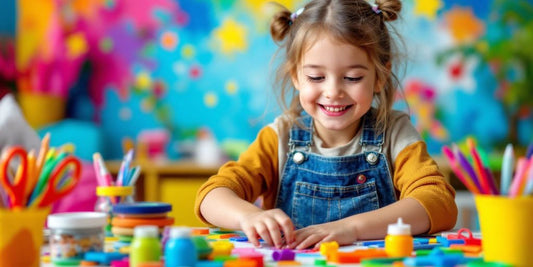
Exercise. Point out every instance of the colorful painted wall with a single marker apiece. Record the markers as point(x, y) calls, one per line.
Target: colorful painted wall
point(128, 66)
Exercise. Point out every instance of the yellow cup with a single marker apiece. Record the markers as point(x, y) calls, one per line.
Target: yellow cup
point(41, 109)
point(21, 236)
point(506, 229)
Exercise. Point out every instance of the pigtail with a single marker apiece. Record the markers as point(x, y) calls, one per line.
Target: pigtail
point(280, 24)
point(390, 9)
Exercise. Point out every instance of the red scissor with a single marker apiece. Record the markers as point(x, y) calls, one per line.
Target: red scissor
point(16, 189)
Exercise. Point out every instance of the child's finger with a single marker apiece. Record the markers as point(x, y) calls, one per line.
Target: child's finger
point(264, 232)
point(308, 242)
point(252, 236)
point(275, 233)
point(288, 228)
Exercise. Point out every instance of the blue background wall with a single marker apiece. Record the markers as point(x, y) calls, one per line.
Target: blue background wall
point(198, 63)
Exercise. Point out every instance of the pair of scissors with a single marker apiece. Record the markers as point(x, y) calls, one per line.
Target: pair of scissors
point(16, 189)
point(55, 188)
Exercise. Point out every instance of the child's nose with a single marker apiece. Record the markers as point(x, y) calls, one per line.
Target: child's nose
point(334, 89)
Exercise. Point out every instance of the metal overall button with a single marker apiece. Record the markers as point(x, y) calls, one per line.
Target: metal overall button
point(372, 158)
point(298, 157)
point(361, 179)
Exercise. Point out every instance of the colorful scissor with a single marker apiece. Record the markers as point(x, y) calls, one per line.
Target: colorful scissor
point(51, 193)
point(16, 189)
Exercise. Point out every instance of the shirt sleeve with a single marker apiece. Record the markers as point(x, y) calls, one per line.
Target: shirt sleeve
point(255, 173)
point(417, 176)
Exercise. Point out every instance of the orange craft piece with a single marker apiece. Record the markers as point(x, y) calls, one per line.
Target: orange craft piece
point(132, 222)
point(357, 255)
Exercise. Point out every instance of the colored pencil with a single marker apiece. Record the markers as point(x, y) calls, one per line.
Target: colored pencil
point(467, 167)
point(507, 169)
point(461, 175)
point(518, 181)
point(479, 168)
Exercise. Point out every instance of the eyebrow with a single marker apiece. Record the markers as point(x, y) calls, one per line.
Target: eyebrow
point(356, 66)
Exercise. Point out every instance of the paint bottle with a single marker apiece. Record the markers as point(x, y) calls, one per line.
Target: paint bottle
point(399, 242)
point(180, 249)
point(145, 246)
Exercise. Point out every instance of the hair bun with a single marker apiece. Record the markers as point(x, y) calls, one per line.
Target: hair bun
point(390, 9)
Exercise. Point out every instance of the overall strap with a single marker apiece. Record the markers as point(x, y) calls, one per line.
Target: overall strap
point(301, 134)
point(369, 136)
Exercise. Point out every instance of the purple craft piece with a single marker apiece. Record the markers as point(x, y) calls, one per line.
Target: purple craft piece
point(283, 255)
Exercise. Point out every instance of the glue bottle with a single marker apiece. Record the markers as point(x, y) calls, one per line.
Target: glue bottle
point(180, 249)
point(145, 246)
point(399, 242)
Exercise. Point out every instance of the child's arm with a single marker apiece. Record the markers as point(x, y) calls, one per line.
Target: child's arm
point(368, 225)
point(222, 207)
point(426, 202)
point(225, 200)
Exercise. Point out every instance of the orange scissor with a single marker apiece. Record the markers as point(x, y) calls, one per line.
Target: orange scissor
point(51, 193)
point(16, 189)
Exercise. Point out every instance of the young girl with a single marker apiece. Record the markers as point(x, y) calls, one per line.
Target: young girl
point(333, 167)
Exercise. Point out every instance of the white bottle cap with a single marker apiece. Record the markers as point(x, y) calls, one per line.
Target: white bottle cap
point(177, 232)
point(77, 220)
point(399, 228)
point(146, 231)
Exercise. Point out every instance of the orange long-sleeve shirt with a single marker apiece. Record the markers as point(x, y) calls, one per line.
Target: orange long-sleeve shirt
point(415, 174)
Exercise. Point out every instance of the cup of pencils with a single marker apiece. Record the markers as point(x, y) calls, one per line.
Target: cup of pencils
point(506, 229)
point(505, 212)
point(111, 192)
point(29, 184)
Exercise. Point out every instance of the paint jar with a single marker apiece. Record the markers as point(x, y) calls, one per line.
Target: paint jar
point(73, 234)
point(180, 250)
point(399, 242)
point(145, 246)
point(109, 196)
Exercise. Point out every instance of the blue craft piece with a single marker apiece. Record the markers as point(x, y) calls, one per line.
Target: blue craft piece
point(378, 243)
point(426, 246)
point(436, 258)
point(239, 239)
point(119, 244)
point(421, 241)
point(104, 257)
point(447, 242)
point(142, 208)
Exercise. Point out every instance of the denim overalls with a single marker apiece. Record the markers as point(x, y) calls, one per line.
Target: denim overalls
point(316, 189)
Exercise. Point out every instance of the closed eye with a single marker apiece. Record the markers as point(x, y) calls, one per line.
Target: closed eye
point(315, 78)
point(353, 79)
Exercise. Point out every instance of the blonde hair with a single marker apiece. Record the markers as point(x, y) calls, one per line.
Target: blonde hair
point(353, 22)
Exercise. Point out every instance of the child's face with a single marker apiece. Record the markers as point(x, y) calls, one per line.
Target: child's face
point(336, 82)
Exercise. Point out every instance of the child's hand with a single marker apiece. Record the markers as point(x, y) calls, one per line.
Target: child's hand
point(314, 235)
point(269, 225)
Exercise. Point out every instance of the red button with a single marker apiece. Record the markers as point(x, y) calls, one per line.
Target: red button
point(361, 179)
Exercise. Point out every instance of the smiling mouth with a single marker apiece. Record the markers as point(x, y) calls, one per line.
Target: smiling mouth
point(335, 109)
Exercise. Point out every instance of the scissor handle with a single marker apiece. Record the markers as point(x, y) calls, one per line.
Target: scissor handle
point(466, 231)
point(51, 194)
point(16, 189)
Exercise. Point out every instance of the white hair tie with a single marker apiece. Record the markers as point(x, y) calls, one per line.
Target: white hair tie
point(296, 14)
point(376, 9)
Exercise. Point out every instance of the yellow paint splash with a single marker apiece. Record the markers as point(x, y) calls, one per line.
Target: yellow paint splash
point(231, 37)
point(210, 99)
point(427, 8)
